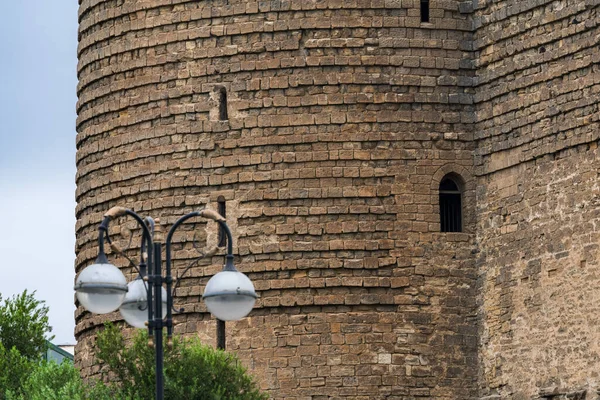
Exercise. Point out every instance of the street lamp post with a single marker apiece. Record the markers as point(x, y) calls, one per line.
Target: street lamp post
point(102, 288)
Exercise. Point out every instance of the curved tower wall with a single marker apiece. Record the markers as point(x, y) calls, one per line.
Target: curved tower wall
point(537, 161)
point(342, 119)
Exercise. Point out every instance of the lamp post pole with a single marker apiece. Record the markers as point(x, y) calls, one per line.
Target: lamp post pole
point(156, 280)
point(101, 288)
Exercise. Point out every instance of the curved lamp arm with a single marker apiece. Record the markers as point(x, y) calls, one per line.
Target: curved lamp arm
point(114, 213)
point(147, 230)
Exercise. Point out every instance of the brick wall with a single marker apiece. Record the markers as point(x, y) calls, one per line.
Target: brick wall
point(537, 96)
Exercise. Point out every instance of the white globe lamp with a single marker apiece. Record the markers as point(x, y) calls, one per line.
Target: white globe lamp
point(229, 295)
point(134, 308)
point(101, 288)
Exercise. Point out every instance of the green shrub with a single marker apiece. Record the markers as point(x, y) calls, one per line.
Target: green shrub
point(193, 371)
point(51, 381)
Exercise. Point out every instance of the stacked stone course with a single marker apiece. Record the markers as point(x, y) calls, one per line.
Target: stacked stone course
point(343, 118)
point(537, 162)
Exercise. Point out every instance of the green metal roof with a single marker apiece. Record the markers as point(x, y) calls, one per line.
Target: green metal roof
point(55, 353)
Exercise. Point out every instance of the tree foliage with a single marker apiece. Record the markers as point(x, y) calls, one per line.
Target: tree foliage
point(14, 368)
point(24, 325)
point(193, 371)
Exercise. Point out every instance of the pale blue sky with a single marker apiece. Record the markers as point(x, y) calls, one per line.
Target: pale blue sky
point(38, 44)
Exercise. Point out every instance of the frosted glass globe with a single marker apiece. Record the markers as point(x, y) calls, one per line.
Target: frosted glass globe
point(101, 288)
point(135, 305)
point(229, 295)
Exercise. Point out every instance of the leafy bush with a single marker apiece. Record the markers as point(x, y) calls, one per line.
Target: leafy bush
point(192, 370)
point(51, 381)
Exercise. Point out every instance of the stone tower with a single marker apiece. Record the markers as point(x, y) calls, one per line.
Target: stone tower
point(325, 128)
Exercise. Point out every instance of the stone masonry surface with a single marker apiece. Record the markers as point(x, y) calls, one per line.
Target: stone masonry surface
point(343, 118)
point(537, 162)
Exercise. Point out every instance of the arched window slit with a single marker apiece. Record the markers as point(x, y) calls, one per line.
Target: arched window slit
point(450, 206)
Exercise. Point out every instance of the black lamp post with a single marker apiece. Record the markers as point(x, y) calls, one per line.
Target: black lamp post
point(102, 288)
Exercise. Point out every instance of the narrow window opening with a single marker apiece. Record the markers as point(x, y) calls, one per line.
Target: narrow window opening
point(424, 10)
point(222, 209)
point(450, 206)
point(223, 104)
